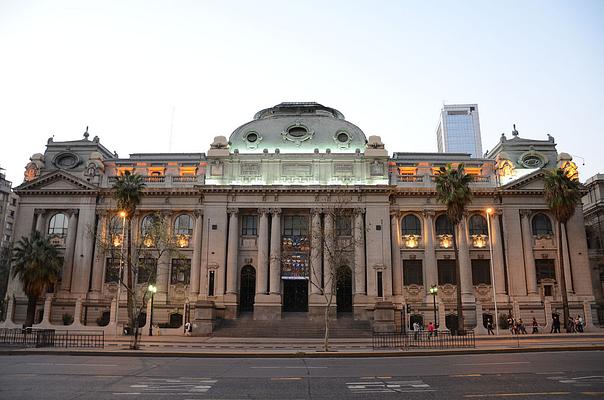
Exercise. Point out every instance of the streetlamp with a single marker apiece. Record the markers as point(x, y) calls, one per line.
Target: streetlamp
point(434, 292)
point(495, 322)
point(153, 290)
point(119, 282)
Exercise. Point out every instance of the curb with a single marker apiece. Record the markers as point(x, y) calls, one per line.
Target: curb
point(301, 354)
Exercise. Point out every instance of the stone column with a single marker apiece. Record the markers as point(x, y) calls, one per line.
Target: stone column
point(464, 259)
point(163, 276)
point(263, 254)
point(566, 258)
point(232, 250)
point(98, 265)
point(430, 269)
point(397, 267)
point(275, 257)
point(529, 259)
point(328, 252)
point(69, 249)
point(84, 246)
point(359, 253)
point(40, 221)
point(196, 261)
point(496, 242)
point(316, 268)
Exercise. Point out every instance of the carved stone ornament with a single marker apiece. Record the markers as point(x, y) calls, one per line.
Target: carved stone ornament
point(297, 133)
point(32, 169)
point(377, 168)
point(483, 292)
point(414, 292)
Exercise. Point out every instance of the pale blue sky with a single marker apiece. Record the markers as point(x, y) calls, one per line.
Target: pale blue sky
point(121, 67)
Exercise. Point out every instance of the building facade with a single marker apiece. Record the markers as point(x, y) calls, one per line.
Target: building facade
point(257, 218)
point(593, 210)
point(458, 130)
point(8, 212)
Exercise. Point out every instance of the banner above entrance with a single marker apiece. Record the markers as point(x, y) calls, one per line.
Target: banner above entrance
point(294, 264)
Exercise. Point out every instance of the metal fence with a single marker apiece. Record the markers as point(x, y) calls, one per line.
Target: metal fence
point(52, 338)
point(422, 340)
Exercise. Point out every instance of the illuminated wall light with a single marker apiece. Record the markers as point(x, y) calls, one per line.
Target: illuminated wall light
point(479, 241)
point(117, 241)
point(411, 241)
point(148, 242)
point(183, 241)
point(446, 241)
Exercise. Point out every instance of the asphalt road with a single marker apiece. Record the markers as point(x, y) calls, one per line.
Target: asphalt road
point(555, 375)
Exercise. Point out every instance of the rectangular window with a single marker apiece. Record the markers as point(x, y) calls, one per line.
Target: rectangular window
point(181, 271)
point(545, 269)
point(249, 225)
point(380, 285)
point(295, 225)
point(147, 268)
point(412, 272)
point(446, 272)
point(343, 225)
point(112, 270)
point(211, 284)
point(481, 272)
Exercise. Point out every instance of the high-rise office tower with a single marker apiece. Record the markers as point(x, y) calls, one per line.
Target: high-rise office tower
point(458, 130)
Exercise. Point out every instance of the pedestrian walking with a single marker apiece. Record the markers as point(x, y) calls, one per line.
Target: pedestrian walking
point(415, 331)
point(188, 329)
point(430, 330)
point(580, 324)
point(490, 327)
point(535, 326)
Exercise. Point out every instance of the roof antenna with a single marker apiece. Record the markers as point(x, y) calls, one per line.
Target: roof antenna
point(582, 159)
point(171, 130)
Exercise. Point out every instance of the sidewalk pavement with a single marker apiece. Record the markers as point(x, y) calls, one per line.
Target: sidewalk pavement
point(186, 346)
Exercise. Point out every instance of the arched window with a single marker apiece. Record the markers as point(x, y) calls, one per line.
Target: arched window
point(478, 225)
point(183, 225)
point(542, 225)
point(443, 226)
point(411, 225)
point(116, 230)
point(147, 224)
point(58, 225)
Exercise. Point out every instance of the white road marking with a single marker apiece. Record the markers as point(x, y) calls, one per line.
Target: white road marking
point(301, 367)
point(498, 363)
point(76, 365)
point(388, 386)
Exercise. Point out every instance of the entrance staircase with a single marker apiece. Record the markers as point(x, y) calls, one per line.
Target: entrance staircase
point(292, 325)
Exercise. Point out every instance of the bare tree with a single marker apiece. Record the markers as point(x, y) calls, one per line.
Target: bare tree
point(154, 245)
point(336, 240)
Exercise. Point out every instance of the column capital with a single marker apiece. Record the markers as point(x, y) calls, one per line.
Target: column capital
point(263, 211)
point(40, 211)
point(73, 211)
point(316, 211)
point(197, 213)
point(526, 213)
point(428, 213)
point(359, 211)
point(395, 213)
point(275, 211)
point(233, 211)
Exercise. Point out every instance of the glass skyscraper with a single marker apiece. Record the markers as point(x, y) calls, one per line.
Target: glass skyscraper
point(458, 130)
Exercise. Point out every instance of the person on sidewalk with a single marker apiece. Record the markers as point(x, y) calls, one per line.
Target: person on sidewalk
point(580, 324)
point(490, 327)
point(555, 323)
point(188, 329)
point(521, 327)
point(535, 326)
point(430, 330)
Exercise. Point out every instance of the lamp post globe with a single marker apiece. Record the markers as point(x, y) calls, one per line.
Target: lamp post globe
point(152, 289)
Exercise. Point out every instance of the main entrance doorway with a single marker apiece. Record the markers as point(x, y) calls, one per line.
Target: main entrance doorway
point(344, 290)
point(295, 295)
point(247, 290)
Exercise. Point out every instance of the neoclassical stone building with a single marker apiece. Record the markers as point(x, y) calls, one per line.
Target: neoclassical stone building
point(249, 215)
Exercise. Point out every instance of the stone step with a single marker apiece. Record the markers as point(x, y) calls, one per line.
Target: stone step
point(292, 326)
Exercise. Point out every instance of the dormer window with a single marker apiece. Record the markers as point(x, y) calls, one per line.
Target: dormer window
point(297, 133)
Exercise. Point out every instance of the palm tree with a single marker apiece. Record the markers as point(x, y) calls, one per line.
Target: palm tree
point(128, 191)
point(37, 264)
point(453, 190)
point(562, 195)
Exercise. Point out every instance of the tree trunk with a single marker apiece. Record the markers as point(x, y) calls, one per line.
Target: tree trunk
point(565, 312)
point(131, 290)
point(326, 338)
point(460, 318)
point(32, 301)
